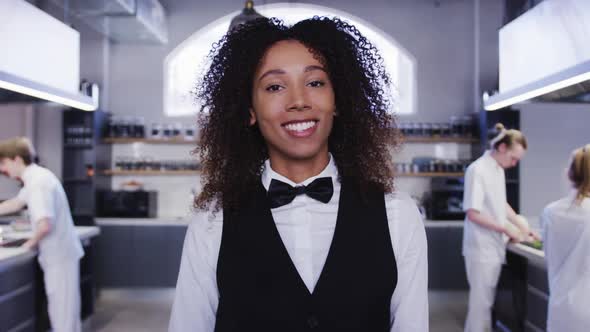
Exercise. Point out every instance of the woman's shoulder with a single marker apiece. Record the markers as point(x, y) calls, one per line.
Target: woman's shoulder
point(406, 226)
point(402, 208)
point(203, 236)
point(203, 221)
point(561, 204)
point(567, 206)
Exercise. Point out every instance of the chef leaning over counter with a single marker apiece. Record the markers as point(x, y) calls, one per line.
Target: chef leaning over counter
point(59, 247)
point(489, 222)
point(566, 234)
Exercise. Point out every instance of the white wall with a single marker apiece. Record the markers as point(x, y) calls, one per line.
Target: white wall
point(48, 129)
point(16, 120)
point(552, 131)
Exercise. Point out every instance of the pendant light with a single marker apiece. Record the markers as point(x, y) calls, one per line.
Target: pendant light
point(247, 14)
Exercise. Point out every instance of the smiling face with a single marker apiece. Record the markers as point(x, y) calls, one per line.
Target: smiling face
point(293, 103)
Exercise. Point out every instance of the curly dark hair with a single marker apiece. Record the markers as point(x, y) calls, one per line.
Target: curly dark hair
point(233, 153)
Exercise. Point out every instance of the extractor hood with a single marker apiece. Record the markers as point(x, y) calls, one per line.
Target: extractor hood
point(545, 55)
point(39, 57)
point(124, 21)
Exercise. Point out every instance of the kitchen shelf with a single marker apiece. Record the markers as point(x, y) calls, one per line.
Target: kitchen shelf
point(439, 139)
point(150, 172)
point(78, 180)
point(147, 141)
point(432, 174)
point(78, 146)
point(82, 213)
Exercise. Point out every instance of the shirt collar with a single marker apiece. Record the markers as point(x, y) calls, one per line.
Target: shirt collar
point(487, 156)
point(573, 194)
point(28, 172)
point(268, 174)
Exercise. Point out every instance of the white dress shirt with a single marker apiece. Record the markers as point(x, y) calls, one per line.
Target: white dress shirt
point(485, 191)
point(306, 227)
point(45, 198)
point(566, 235)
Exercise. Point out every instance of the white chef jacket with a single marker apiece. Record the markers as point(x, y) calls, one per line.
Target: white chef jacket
point(566, 235)
point(45, 197)
point(485, 191)
point(306, 227)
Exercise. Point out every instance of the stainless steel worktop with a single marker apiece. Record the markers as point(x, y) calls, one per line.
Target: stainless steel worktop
point(9, 256)
point(161, 221)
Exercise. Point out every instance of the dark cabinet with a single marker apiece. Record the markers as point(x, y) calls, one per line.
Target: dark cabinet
point(18, 295)
point(157, 254)
point(139, 256)
point(522, 296)
point(446, 267)
point(23, 303)
point(114, 255)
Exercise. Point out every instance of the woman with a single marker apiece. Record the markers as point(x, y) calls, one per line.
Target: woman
point(566, 228)
point(489, 219)
point(297, 227)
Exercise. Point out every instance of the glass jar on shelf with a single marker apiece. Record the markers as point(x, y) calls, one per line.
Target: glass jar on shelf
point(427, 129)
point(403, 128)
point(156, 131)
point(190, 132)
point(468, 130)
point(416, 129)
point(456, 127)
point(167, 131)
point(110, 130)
point(176, 130)
point(139, 127)
point(445, 129)
point(436, 129)
point(124, 127)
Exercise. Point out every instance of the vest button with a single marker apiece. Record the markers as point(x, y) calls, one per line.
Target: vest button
point(312, 322)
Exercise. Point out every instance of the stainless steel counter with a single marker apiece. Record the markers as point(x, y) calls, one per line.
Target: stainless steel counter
point(535, 257)
point(444, 223)
point(9, 256)
point(161, 221)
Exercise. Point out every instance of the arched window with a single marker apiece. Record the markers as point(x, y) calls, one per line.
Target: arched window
point(182, 67)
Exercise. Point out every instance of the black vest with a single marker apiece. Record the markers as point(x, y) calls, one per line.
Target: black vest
point(260, 289)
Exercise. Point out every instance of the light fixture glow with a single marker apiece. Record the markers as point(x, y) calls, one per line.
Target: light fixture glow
point(13, 83)
point(553, 83)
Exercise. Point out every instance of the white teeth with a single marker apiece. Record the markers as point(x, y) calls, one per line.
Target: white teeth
point(300, 126)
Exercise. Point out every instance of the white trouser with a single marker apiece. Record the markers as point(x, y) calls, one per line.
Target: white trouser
point(62, 286)
point(483, 279)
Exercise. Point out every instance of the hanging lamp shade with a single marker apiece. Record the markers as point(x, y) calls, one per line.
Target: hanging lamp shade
point(247, 14)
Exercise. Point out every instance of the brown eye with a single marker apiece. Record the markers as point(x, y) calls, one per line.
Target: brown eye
point(316, 84)
point(274, 88)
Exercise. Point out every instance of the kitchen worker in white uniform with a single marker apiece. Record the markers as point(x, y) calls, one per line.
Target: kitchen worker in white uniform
point(489, 223)
point(566, 234)
point(59, 246)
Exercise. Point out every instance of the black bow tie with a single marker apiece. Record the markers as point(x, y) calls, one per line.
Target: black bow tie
point(281, 193)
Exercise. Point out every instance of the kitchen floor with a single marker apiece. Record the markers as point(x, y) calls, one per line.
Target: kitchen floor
point(129, 310)
point(148, 310)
